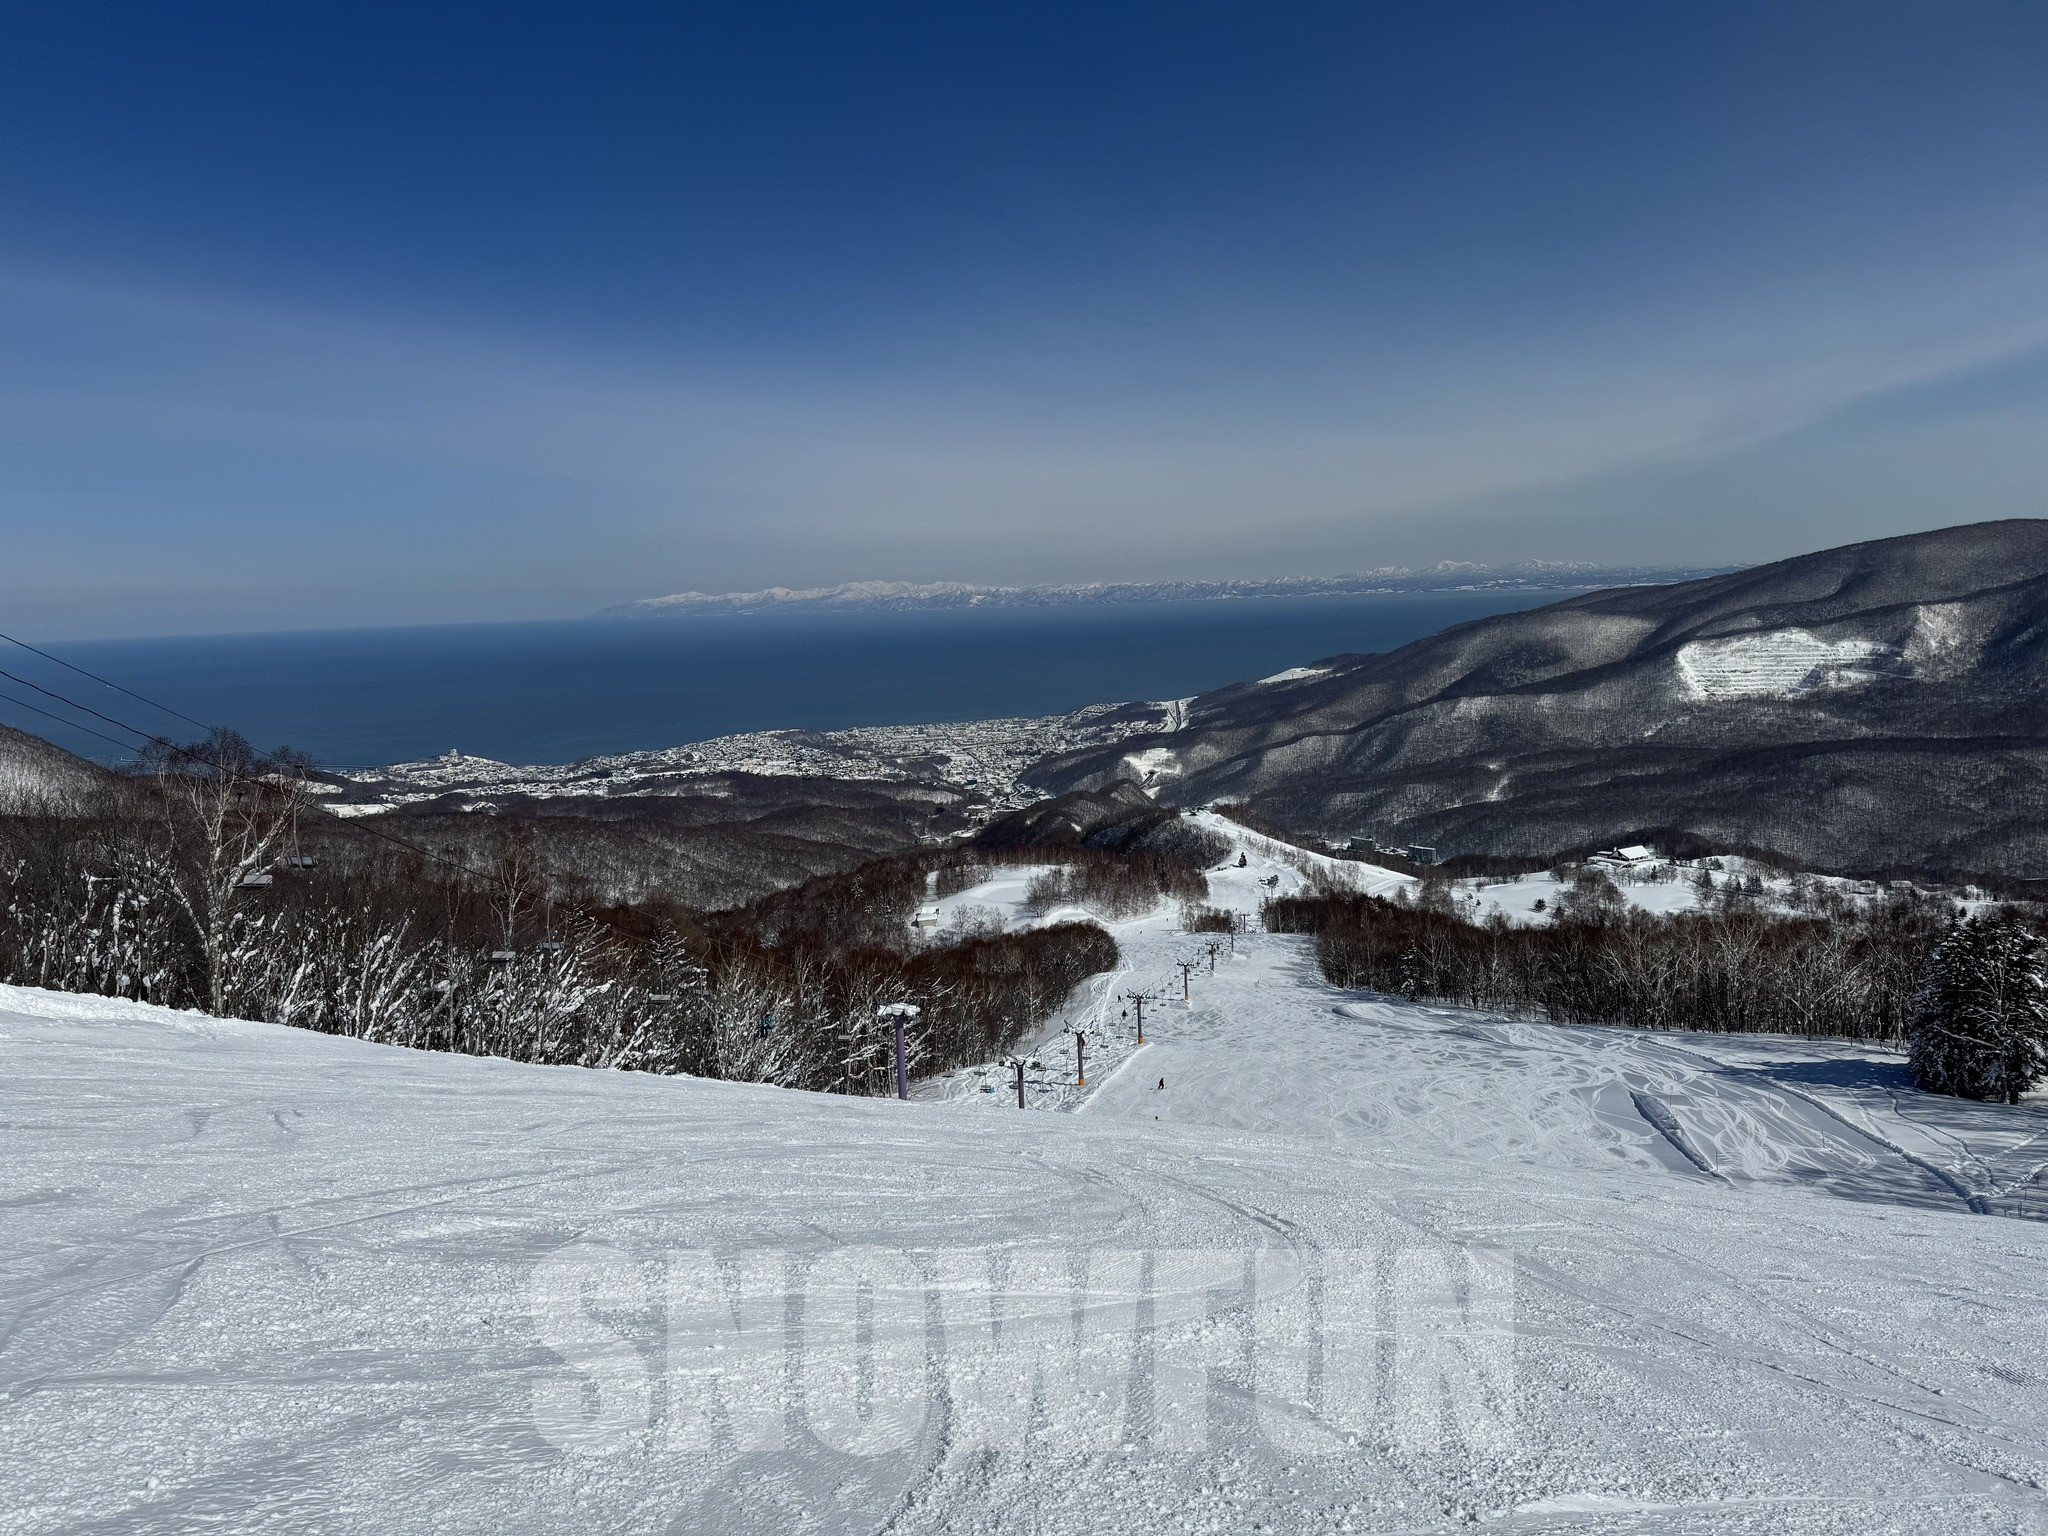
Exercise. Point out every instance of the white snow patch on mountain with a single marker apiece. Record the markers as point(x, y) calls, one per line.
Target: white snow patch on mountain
point(1943, 642)
point(1782, 664)
point(1154, 764)
point(1296, 675)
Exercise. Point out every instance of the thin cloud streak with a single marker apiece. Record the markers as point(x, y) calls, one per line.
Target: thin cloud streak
point(382, 444)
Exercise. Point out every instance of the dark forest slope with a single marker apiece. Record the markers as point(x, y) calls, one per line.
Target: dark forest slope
point(1866, 707)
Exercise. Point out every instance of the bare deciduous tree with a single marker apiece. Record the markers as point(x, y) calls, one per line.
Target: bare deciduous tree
point(227, 812)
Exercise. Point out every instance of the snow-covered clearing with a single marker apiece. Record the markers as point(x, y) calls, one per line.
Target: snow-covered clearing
point(1271, 868)
point(1663, 887)
point(1517, 900)
point(1778, 664)
point(256, 1278)
point(1294, 867)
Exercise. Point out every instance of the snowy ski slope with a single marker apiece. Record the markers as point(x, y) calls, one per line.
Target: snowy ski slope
point(252, 1278)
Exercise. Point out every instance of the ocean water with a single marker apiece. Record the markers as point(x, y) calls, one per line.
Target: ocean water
point(556, 692)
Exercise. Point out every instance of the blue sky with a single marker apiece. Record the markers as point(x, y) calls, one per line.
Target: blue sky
point(368, 313)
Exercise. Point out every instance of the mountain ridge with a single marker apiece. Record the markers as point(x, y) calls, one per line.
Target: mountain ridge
point(1869, 706)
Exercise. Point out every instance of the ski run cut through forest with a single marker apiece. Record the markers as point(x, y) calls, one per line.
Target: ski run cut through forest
point(1306, 1260)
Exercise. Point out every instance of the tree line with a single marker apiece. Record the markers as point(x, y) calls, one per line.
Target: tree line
point(1967, 995)
point(186, 885)
point(1729, 971)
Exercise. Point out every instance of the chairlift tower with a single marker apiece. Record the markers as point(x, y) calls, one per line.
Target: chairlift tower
point(902, 1013)
point(1138, 1001)
point(1080, 1055)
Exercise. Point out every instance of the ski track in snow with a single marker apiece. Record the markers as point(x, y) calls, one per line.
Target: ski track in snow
point(252, 1278)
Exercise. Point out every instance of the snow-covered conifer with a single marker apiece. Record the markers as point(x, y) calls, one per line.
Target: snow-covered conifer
point(1980, 1020)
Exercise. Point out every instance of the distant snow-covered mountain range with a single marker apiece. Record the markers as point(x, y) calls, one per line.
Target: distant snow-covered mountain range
point(1445, 576)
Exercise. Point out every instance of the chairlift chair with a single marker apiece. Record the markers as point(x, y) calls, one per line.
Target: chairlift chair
point(504, 956)
point(256, 880)
point(295, 859)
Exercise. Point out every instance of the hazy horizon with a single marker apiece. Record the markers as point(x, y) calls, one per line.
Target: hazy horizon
point(1560, 588)
point(559, 690)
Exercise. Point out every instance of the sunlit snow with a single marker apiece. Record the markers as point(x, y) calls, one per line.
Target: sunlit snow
point(261, 1278)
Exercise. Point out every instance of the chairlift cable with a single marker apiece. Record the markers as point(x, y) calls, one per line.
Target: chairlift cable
point(70, 725)
point(85, 708)
point(206, 761)
point(143, 698)
point(105, 683)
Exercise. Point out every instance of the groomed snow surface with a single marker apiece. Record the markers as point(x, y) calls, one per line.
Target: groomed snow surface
point(1442, 1272)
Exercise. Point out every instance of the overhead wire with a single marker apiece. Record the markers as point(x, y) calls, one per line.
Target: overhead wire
point(137, 730)
point(140, 698)
point(202, 758)
point(69, 725)
point(106, 682)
